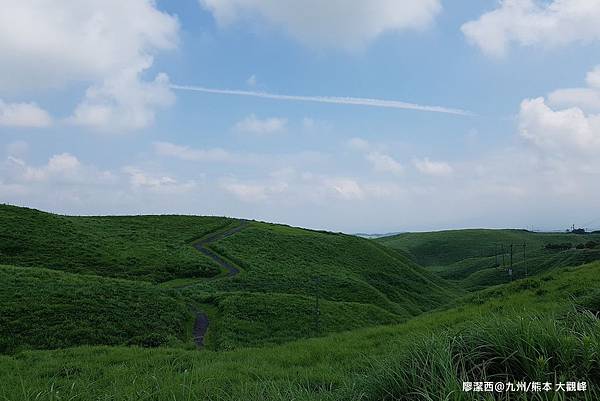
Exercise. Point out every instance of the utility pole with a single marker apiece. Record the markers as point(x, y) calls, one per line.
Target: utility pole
point(496, 252)
point(525, 259)
point(510, 271)
point(503, 253)
point(317, 305)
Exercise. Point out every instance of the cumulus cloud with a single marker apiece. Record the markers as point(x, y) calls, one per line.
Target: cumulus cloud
point(63, 168)
point(23, 115)
point(257, 126)
point(532, 22)
point(434, 168)
point(587, 99)
point(561, 132)
point(333, 23)
point(107, 43)
point(380, 161)
point(123, 102)
point(384, 163)
point(140, 179)
point(565, 126)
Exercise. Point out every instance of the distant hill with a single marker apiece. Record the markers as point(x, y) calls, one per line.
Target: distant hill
point(373, 236)
point(481, 257)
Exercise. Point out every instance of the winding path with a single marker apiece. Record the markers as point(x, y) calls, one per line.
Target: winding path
point(201, 323)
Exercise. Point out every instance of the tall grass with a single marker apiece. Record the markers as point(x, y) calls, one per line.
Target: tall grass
point(528, 348)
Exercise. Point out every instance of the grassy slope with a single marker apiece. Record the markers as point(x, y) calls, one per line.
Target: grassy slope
point(42, 308)
point(153, 248)
point(371, 364)
point(270, 301)
point(258, 319)
point(441, 248)
point(281, 259)
point(469, 255)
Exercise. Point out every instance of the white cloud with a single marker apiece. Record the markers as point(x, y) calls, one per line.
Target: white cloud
point(63, 168)
point(434, 168)
point(359, 144)
point(333, 23)
point(384, 163)
point(346, 188)
point(123, 102)
point(23, 115)
point(380, 161)
point(257, 126)
point(106, 43)
point(251, 81)
point(532, 22)
point(559, 132)
point(140, 179)
point(566, 126)
point(254, 191)
point(190, 154)
point(593, 78)
point(587, 99)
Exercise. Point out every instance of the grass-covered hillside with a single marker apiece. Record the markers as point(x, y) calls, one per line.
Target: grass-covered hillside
point(42, 308)
point(480, 258)
point(196, 308)
point(152, 248)
point(535, 330)
point(255, 283)
point(283, 270)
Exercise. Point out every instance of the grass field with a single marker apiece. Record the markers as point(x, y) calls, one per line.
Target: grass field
point(152, 248)
point(476, 338)
point(280, 259)
point(480, 258)
point(105, 310)
point(42, 308)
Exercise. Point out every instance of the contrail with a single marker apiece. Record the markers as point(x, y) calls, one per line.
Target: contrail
point(393, 104)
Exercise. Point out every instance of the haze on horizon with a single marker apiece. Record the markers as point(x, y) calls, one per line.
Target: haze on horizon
point(386, 116)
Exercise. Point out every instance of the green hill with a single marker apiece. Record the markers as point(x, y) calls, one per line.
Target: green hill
point(480, 258)
point(275, 273)
point(528, 330)
point(152, 248)
point(42, 308)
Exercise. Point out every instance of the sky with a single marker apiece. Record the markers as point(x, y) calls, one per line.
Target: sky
point(355, 116)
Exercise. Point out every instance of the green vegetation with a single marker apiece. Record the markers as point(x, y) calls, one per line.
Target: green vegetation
point(42, 308)
point(102, 308)
point(152, 248)
point(285, 260)
point(441, 248)
point(527, 330)
point(252, 319)
point(480, 258)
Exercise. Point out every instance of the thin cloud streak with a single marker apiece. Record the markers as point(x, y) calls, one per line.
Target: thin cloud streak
point(392, 104)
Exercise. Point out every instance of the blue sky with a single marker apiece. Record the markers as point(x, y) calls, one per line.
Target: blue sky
point(92, 122)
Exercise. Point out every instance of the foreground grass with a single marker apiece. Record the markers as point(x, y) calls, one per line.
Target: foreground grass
point(42, 308)
point(522, 331)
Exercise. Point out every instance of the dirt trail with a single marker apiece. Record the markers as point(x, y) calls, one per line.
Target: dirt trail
point(201, 323)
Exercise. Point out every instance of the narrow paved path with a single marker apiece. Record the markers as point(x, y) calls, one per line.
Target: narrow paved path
point(201, 323)
point(201, 246)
